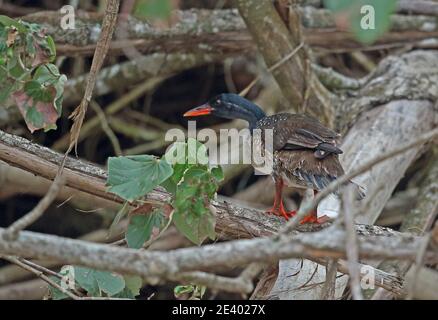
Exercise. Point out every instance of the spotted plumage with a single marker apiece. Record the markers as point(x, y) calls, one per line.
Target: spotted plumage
point(305, 152)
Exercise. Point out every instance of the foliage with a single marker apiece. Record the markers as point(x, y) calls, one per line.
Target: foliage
point(134, 176)
point(184, 172)
point(142, 227)
point(348, 13)
point(28, 79)
point(98, 283)
point(192, 184)
point(190, 292)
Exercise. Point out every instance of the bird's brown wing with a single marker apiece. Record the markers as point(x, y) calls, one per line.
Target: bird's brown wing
point(303, 166)
point(296, 131)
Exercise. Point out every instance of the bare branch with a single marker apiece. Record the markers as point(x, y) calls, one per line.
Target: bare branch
point(12, 232)
point(349, 213)
point(328, 291)
point(224, 32)
point(326, 243)
point(40, 275)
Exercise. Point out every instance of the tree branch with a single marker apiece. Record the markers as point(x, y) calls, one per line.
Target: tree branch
point(12, 232)
point(223, 32)
point(326, 243)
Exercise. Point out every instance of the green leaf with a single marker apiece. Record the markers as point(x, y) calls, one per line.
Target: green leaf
point(38, 91)
point(38, 114)
point(133, 284)
point(84, 277)
point(217, 173)
point(59, 96)
point(55, 293)
point(193, 185)
point(15, 68)
point(192, 215)
point(8, 22)
point(141, 227)
point(33, 85)
point(134, 176)
point(47, 74)
point(178, 291)
point(96, 281)
point(197, 292)
point(6, 85)
point(182, 156)
point(30, 45)
point(357, 20)
point(153, 9)
point(110, 283)
point(52, 48)
point(169, 185)
point(34, 117)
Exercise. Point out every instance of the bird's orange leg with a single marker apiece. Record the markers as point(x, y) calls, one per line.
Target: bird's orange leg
point(313, 216)
point(278, 207)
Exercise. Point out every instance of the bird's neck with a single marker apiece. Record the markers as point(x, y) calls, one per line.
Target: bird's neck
point(250, 112)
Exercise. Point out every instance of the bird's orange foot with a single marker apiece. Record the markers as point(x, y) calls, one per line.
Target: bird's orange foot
point(313, 218)
point(281, 212)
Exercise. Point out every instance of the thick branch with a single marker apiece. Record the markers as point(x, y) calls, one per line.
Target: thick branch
point(326, 243)
point(222, 32)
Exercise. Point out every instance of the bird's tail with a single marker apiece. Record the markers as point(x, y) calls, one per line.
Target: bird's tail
point(330, 206)
point(359, 190)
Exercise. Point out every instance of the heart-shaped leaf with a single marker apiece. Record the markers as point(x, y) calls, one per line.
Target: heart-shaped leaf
point(134, 176)
point(95, 281)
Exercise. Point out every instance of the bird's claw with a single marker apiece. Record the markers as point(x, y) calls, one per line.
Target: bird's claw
point(313, 218)
point(281, 212)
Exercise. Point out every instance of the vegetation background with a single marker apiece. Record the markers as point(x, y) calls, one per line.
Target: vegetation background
point(112, 86)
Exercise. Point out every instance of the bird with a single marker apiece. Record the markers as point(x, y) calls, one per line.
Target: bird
point(305, 152)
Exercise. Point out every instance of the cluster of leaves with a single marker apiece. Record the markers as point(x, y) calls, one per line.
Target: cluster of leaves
point(350, 14)
point(189, 292)
point(97, 283)
point(28, 79)
point(184, 172)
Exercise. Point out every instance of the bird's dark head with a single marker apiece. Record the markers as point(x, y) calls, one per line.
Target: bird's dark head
point(229, 106)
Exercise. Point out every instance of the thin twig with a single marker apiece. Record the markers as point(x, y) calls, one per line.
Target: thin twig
point(106, 128)
point(352, 250)
point(328, 291)
point(272, 68)
point(40, 275)
point(419, 261)
point(12, 232)
point(40, 268)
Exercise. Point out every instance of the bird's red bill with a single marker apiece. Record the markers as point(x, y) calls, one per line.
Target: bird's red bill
point(199, 111)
